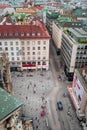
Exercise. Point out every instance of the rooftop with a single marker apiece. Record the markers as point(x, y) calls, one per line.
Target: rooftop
point(64, 19)
point(80, 12)
point(52, 15)
point(35, 29)
point(78, 34)
point(8, 104)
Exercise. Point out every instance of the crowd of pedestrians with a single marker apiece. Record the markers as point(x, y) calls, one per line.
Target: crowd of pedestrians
point(32, 89)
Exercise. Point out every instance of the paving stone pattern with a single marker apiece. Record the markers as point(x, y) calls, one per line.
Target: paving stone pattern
point(32, 88)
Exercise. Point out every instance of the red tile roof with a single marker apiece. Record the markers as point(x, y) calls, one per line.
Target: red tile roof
point(24, 31)
point(4, 6)
point(8, 20)
point(39, 7)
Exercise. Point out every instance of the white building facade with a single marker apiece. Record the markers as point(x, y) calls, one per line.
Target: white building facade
point(27, 46)
point(74, 50)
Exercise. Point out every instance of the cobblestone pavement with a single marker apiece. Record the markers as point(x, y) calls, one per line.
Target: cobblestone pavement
point(32, 89)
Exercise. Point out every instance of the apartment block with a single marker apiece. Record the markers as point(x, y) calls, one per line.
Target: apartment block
point(74, 50)
point(27, 46)
point(58, 26)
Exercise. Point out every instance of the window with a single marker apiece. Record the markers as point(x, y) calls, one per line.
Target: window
point(11, 48)
point(33, 34)
point(33, 58)
point(23, 53)
point(33, 42)
point(33, 62)
point(38, 63)
point(22, 34)
point(28, 42)
point(16, 43)
point(23, 62)
point(23, 58)
point(28, 34)
point(5, 34)
point(44, 63)
point(16, 34)
point(0, 49)
point(12, 53)
point(5, 43)
point(44, 58)
point(33, 48)
point(10, 34)
point(0, 54)
point(17, 48)
point(18, 58)
point(38, 58)
point(28, 48)
point(38, 53)
point(12, 58)
point(0, 43)
point(18, 63)
point(38, 42)
point(22, 42)
point(44, 48)
point(6, 48)
point(28, 58)
point(13, 63)
point(33, 53)
point(23, 48)
point(28, 62)
point(44, 42)
point(28, 53)
point(11, 43)
point(17, 53)
point(38, 34)
point(38, 48)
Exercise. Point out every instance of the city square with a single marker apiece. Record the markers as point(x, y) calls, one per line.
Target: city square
point(32, 88)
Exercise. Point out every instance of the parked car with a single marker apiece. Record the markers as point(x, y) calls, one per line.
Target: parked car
point(60, 105)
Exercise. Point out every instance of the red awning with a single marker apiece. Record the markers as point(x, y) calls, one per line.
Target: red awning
point(28, 65)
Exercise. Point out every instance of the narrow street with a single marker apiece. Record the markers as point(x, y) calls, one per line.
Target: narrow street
point(60, 120)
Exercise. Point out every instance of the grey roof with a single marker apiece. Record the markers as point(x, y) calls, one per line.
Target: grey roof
point(78, 32)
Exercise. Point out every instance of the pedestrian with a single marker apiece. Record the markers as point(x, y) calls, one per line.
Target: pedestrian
point(26, 97)
point(34, 85)
point(34, 91)
point(28, 87)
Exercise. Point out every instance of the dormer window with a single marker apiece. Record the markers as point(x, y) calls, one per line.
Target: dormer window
point(5, 34)
point(16, 34)
point(10, 34)
point(38, 34)
point(28, 34)
point(33, 34)
point(22, 34)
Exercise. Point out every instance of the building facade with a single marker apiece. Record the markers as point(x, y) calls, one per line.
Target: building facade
point(78, 91)
point(57, 35)
point(27, 46)
point(59, 25)
point(74, 50)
